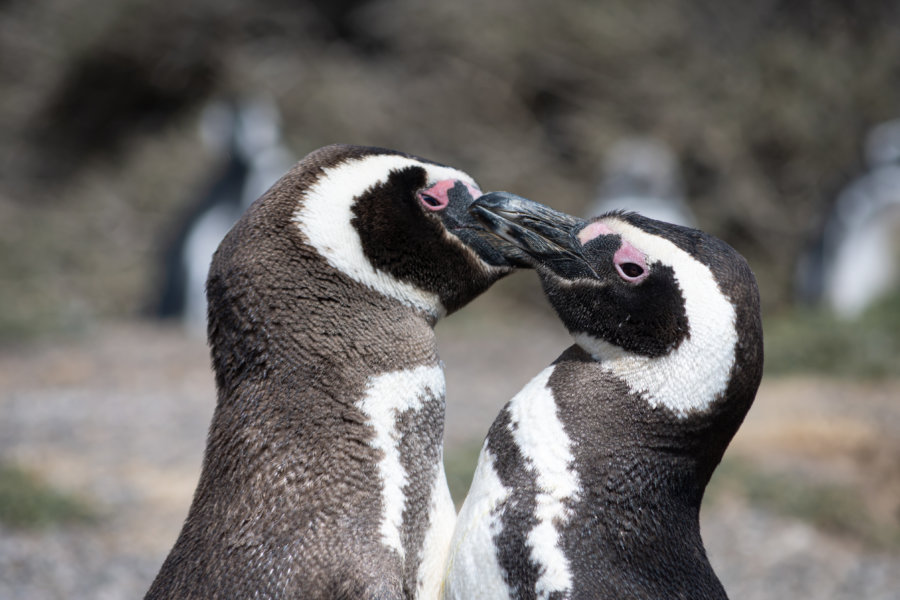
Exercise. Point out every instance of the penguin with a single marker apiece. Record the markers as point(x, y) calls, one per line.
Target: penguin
point(854, 261)
point(590, 480)
point(322, 475)
point(248, 135)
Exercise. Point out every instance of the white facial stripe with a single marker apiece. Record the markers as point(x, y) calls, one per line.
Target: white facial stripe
point(386, 397)
point(436, 545)
point(543, 442)
point(473, 569)
point(690, 378)
point(324, 218)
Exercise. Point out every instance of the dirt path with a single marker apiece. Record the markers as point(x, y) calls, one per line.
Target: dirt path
point(119, 418)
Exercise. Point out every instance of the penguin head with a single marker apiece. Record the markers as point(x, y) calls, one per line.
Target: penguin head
point(398, 224)
point(671, 311)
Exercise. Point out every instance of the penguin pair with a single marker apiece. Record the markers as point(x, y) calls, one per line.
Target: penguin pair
point(323, 475)
point(590, 480)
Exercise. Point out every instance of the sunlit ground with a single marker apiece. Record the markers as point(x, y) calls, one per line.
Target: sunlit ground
point(103, 433)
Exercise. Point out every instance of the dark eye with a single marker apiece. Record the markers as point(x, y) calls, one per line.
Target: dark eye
point(632, 270)
point(430, 200)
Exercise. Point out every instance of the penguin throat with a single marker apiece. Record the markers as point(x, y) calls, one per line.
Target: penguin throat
point(686, 381)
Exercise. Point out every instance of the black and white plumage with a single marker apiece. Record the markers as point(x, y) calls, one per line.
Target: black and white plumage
point(248, 135)
point(855, 262)
point(590, 480)
point(323, 474)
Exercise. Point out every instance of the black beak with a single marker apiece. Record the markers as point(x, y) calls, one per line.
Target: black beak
point(546, 236)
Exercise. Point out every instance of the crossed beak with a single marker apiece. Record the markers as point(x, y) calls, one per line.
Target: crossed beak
point(547, 237)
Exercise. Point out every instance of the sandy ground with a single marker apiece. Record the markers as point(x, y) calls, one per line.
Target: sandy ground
point(119, 417)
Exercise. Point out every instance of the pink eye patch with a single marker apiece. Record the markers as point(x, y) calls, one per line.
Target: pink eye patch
point(437, 197)
point(630, 263)
point(593, 230)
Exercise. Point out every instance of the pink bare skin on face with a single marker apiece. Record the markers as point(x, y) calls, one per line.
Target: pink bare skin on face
point(631, 264)
point(437, 197)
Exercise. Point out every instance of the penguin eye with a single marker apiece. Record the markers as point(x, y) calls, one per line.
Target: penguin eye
point(433, 202)
point(429, 200)
point(631, 264)
point(631, 270)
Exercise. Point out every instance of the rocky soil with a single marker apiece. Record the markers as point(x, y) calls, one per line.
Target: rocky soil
point(118, 418)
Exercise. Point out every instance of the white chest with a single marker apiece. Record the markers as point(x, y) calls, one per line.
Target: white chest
point(387, 398)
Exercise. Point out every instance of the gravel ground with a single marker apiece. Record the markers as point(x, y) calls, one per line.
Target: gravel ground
point(119, 417)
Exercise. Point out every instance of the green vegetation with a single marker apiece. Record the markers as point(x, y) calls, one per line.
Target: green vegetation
point(26, 502)
point(814, 341)
point(834, 508)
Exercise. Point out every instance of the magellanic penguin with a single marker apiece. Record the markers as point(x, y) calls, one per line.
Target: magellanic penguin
point(856, 260)
point(323, 475)
point(590, 481)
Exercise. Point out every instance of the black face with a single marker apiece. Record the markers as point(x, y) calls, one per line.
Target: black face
point(636, 306)
point(403, 222)
point(603, 286)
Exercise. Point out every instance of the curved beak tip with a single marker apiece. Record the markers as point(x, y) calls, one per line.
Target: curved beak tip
point(547, 236)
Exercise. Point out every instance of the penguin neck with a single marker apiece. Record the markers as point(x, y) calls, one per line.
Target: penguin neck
point(653, 485)
point(338, 331)
point(687, 380)
point(643, 511)
point(691, 409)
point(575, 445)
point(644, 460)
point(338, 377)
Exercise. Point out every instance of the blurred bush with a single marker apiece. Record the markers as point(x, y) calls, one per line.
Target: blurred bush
point(765, 103)
point(26, 502)
point(838, 508)
point(813, 341)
